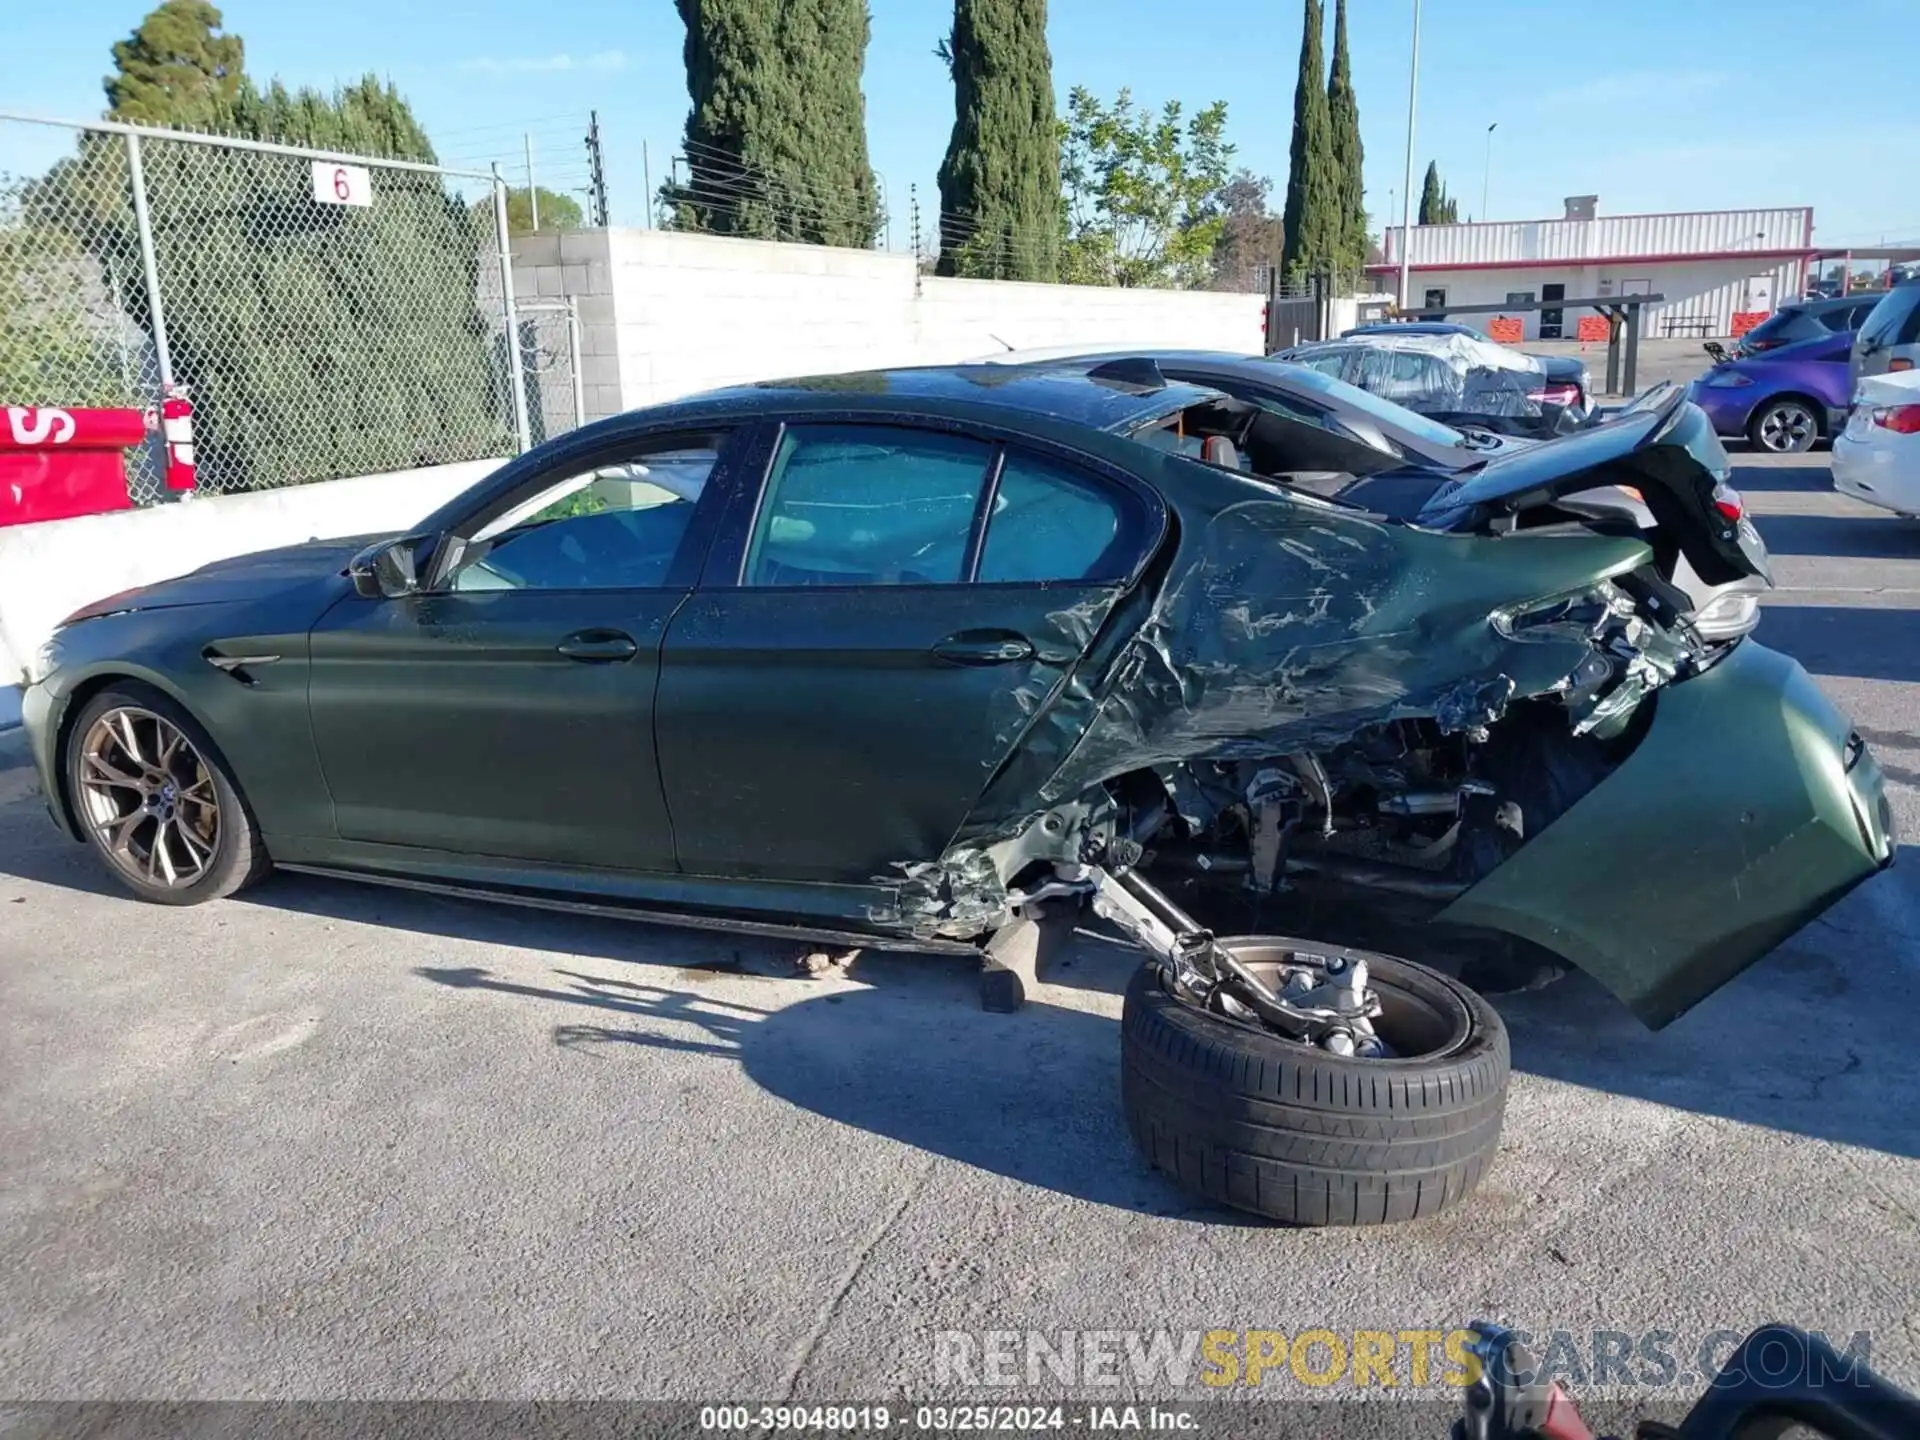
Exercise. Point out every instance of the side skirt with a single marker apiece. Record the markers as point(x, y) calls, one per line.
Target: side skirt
point(646, 915)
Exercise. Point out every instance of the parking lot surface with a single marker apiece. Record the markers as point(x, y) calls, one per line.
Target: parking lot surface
point(328, 1141)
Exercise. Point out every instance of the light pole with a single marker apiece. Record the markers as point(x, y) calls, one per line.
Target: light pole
point(1406, 195)
point(1486, 176)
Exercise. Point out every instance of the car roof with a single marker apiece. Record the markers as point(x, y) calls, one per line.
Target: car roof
point(1066, 394)
point(1411, 327)
point(1830, 302)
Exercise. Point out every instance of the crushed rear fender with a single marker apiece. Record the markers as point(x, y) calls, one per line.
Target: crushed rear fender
point(1748, 809)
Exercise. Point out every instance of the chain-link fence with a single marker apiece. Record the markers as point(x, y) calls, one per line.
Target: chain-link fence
point(327, 315)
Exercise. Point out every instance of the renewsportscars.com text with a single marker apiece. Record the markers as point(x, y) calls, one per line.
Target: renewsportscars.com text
point(1320, 1358)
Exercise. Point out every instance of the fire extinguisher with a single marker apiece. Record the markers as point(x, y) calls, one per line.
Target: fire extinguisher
point(176, 423)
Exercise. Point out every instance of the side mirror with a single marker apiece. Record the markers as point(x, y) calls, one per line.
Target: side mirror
point(386, 571)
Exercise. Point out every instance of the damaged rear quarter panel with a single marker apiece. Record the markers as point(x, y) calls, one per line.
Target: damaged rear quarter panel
point(1282, 623)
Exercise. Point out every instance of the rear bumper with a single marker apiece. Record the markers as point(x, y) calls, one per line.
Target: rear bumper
point(1749, 807)
point(1868, 471)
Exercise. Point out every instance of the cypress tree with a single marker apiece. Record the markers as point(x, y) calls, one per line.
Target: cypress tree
point(1349, 156)
point(1000, 181)
point(1436, 206)
point(776, 138)
point(1311, 221)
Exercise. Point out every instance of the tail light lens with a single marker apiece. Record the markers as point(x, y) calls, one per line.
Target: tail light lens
point(1557, 394)
point(1899, 362)
point(1901, 419)
point(1727, 501)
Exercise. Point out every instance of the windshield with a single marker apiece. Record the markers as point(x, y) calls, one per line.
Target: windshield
point(1384, 412)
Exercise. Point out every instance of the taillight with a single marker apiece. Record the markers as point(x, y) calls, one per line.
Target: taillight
point(1899, 362)
point(1901, 419)
point(1727, 501)
point(1556, 395)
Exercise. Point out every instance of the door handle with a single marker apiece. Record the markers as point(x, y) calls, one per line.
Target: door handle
point(598, 647)
point(984, 647)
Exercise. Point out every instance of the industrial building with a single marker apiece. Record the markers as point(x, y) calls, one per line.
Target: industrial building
point(1712, 266)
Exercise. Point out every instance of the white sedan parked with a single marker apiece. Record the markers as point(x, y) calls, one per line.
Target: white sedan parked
point(1877, 459)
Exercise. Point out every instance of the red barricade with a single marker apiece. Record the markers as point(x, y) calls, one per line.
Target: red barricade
point(56, 464)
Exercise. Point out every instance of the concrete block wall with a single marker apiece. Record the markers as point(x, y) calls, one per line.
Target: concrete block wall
point(666, 314)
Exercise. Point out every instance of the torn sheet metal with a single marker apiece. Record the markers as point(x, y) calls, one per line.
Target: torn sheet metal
point(1282, 626)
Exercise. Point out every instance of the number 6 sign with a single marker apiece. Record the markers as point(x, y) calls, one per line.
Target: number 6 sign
point(335, 184)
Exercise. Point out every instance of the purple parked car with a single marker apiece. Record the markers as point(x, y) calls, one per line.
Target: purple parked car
point(1781, 399)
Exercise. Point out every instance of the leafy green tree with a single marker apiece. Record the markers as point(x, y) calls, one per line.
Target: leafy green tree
point(1000, 181)
point(557, 211)
point(315, 340)
point(776, 140)
point(54, 348)
point(323, 340)
point(1252, 241)
point(1141, 191)
point(1312, 219)
point(1349, 155)
point(176, 69)
point(1436, 206)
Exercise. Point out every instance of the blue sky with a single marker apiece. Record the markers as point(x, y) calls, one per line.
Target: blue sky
point(1651, 104)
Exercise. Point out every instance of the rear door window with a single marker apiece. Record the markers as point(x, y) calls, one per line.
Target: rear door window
point(1049, 523)
point(874, 505)
point(867, 505)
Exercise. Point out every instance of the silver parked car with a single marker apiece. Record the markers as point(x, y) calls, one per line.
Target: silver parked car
point(1890, 339)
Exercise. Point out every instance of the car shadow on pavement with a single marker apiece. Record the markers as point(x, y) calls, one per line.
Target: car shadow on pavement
point(1779, 478)
point(1866, 642)
point(1884, 536)
point(1815, 1039)
point(901, 1050)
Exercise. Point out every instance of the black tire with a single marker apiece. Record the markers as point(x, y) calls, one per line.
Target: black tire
point(239, 857)
point(1299, 1134)
point(1784, 425)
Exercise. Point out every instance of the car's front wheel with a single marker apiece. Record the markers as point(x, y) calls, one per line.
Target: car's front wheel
point(1299, 1133)
point(1786, 426)
point(157, 801)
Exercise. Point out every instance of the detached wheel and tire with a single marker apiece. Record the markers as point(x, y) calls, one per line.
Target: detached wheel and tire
point(1786, 426)
point(157, 800)
point(1299, 1134)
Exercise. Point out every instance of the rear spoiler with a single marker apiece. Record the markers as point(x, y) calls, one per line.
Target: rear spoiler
point(1660, 445)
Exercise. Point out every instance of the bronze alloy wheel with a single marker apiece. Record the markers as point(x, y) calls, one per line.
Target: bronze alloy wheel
point(149, 797)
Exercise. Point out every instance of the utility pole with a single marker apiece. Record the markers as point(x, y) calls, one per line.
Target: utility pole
point(596, 172)
point(533, 191)
point(1406, 196)
point(1486, 176)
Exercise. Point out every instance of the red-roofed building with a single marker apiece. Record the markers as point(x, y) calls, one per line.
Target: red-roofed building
point(1709, 264)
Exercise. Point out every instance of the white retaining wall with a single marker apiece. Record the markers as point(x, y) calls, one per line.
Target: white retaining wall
point(665, 314)
point(48, 571)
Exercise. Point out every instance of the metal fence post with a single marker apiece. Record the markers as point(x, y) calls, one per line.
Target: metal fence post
point(522, 431)
point(573, 360)
point(156, 312)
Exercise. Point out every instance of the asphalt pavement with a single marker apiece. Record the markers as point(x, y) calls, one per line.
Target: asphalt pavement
point(328, 1141)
